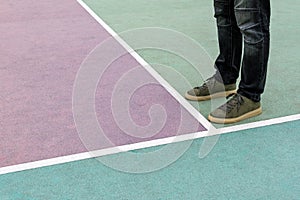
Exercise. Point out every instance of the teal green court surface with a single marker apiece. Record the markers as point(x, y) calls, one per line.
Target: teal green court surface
point(261, 163)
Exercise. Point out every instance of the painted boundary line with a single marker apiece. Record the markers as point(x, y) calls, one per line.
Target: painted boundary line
point(150, 70)
point(142, 145)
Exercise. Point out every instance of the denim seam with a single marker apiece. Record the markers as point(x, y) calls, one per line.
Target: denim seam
point(252, 43)
point(258, 23)
point(261, 63)
point(231, 41)
point(246, 9)
point(227, 25)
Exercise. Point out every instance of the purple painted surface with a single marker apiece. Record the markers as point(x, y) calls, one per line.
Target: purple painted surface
point(42, 44)
point(177, 120)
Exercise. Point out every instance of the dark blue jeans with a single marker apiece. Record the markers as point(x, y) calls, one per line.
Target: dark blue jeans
point(243, 22)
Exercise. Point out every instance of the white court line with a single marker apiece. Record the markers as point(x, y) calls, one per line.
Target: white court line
point(142, 145)
point(193, 111)
point(260, 123)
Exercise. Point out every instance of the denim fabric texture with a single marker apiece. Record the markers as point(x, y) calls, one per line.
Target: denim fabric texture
point(243, 23)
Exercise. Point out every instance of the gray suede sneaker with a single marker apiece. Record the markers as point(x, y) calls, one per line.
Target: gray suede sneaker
point(211, 88)
point(236, 109)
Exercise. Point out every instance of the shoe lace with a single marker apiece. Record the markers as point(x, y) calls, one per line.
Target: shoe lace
point(210, 82)
point(235, 101)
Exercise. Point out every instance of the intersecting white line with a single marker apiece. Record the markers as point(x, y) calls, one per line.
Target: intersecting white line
point(150, 70)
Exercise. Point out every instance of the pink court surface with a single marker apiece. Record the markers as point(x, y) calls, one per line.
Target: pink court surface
point(40, 59)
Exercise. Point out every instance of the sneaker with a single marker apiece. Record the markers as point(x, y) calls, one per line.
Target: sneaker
point(236, 109)
point(211, 88)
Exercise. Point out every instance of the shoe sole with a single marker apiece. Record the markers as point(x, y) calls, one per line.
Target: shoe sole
point(237, 119)
point(208, 97)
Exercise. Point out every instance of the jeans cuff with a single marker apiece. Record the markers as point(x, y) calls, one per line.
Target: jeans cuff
point(253, 97)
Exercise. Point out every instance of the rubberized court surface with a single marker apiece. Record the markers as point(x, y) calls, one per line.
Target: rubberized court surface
point(45, 48)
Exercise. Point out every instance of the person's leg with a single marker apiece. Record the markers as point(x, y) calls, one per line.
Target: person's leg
point(253, 19)
point(228, 62)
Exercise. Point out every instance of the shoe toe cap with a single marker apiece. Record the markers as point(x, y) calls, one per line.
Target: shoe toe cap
point(218, 113)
